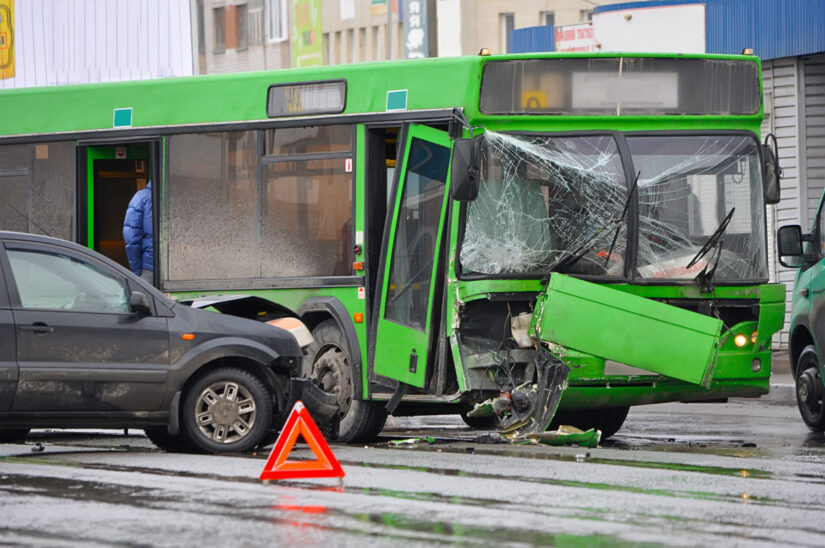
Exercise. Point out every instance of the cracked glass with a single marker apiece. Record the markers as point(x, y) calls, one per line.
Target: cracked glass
point(545, 198)
point(687, 187)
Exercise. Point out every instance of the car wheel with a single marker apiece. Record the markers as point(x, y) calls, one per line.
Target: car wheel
point(13, 435)
point(160, 436)
point(609, 421)
point(327, 364)
point(227, 410)
point(809, 389)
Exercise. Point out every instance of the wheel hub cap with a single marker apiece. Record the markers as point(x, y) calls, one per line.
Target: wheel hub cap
point(329, 373)
point(225, 412)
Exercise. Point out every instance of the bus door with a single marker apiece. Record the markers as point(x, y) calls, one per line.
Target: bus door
point(113, 173)
point(406, 309)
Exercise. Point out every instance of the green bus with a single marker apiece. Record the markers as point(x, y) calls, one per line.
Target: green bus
point(491, 235)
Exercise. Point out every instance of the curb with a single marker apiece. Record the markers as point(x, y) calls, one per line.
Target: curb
point(781, 394)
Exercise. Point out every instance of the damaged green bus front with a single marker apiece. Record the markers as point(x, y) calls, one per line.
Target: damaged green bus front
point(606, 244)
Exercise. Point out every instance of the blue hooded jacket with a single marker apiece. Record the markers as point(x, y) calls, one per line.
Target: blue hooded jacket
point(137, 231)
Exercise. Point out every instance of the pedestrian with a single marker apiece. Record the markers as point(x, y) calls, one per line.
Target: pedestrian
point(137, 231)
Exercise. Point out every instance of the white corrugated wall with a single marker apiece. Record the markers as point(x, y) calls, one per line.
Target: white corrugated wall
point(796, 88)
point(814, 133)
point(780, 80)
point(82, 41)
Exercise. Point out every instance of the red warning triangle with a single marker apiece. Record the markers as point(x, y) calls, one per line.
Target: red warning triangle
point(325, 466)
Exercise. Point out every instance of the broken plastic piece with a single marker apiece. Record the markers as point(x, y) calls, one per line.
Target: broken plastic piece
point(567, 435)
point(411, 441)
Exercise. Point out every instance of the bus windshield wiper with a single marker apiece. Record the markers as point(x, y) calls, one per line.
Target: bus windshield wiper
point(620, 222)
point(570, 258)
point(713, 239)
point(705, 277)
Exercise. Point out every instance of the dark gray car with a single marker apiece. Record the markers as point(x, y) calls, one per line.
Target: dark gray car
point(86, 343)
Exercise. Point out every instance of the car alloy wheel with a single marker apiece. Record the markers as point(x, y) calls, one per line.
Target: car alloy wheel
point(225, 412)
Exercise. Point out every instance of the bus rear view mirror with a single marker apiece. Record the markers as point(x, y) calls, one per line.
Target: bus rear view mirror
point(789, 243)
point(771, 172)
point(464, 172)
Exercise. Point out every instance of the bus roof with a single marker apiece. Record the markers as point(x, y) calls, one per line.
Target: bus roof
point(433, 83)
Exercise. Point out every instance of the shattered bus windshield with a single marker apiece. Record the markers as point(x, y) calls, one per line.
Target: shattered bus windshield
point(540, 198)
point(688, 184)
point(544, 198)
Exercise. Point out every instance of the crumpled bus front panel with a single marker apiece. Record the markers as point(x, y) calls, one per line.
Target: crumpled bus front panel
point(629, 329)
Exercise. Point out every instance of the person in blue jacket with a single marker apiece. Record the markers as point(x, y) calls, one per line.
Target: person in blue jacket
point(137, 231)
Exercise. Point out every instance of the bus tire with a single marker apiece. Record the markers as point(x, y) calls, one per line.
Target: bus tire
point(13, 435)
point(327, 364)
point(609, 421)
point(810, 392)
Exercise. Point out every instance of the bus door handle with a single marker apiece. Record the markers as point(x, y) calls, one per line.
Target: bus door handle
point(413, 360)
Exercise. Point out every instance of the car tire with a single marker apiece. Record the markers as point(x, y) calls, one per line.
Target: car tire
point(13, 435)
point(227, 410)
point(609, 421)
point(327, 364)
point(160, 436)
point(810, 390)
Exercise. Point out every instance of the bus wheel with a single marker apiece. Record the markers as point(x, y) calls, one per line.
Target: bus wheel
point(227, 410)
point(13, 435)
point(809, 390)
point(609, 421)
point(326, 362)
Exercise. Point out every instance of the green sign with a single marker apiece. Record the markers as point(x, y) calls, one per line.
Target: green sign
point(307, 33)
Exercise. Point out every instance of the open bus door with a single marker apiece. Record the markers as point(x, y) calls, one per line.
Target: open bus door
point(110, 176)
point(409, 293)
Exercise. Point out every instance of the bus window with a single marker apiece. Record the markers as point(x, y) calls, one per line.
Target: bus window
point(41, 200)
point(212, 209)
point(688, 184)
point(307, 224)
point(541, 198)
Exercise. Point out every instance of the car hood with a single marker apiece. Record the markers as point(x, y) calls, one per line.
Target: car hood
point(209, 325)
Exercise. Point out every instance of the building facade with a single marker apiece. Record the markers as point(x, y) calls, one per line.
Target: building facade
point(46, 43)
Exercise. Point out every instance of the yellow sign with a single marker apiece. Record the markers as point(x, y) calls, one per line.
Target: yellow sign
point(6, 39)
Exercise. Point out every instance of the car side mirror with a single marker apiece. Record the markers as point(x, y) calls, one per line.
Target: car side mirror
point(464, 171)
point(771, 171)
point(139, 303)
point(789, 246)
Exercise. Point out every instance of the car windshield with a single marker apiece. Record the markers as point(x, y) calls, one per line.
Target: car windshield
point(688, 185)
point(545, 199)
point(540, 199)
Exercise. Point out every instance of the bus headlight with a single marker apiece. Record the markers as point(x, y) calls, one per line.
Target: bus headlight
point(740, 340)
point(756, 365)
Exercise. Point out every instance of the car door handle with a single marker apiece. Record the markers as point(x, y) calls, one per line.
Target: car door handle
point(38, 327)
point(804, 291)
point(818, 291)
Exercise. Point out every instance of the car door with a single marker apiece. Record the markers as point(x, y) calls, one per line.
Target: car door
point(403, 332)
point(79, 348)
point(8, 360)
point(813, 280)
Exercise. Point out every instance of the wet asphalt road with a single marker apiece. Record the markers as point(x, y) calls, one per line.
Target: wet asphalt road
point(742, 473)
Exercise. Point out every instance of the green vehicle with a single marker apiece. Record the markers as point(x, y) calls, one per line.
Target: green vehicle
point(495, 236)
